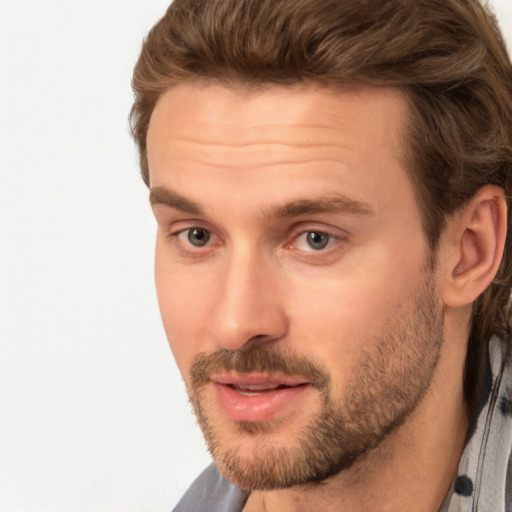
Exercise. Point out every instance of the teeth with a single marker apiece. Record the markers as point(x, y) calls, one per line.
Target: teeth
point(249, 393)
point(257, 387)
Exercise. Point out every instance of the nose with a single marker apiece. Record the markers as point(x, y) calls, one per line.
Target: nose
point(249, 307)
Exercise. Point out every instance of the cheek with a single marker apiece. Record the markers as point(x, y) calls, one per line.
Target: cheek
point(181, 300)
point(333, 321)
point(340, 316)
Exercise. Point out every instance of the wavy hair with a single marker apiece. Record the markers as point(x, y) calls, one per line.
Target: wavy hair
point(447, 57)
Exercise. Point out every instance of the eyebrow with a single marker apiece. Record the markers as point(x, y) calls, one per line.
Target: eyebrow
point(333, 203)
point(161, 196)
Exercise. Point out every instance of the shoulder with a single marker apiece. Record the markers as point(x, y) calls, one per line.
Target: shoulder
point(211, 492)
point(484, 480)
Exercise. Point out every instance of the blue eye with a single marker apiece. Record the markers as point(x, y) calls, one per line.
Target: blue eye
point(198, 237)
point(311, 241)
point(317, 240)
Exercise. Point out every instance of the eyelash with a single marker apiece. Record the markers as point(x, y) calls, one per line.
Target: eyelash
point(189, 231)
point(329, 238)
point(192, 250)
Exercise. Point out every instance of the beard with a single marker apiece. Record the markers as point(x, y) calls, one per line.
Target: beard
point(389, 380)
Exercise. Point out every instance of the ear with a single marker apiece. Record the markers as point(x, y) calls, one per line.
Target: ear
point(477, 241)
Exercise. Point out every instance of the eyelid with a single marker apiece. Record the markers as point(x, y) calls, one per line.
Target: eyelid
point(308, 227)
point(187, 231)
point(181, 231)
point(176, 234)
point(186, 252)
point(331, 239)
point(177, 231)
point(319, 256)
point(177, 226)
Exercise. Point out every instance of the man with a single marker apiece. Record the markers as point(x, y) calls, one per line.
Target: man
point(331, 182)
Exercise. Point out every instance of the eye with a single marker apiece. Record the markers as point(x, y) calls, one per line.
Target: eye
point(317, 240)
point(314, 240)
point(197, 237)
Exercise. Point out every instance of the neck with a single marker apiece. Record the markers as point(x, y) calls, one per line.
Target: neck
point(412, 469)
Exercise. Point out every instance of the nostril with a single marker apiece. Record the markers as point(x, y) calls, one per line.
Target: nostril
point(257, 338)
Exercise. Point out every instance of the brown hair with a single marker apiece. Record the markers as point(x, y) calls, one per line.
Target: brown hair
point(447, 56)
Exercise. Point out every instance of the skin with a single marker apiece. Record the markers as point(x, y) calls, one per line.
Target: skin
point(228, 160)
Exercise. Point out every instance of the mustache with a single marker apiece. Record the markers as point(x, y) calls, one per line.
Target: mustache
point(256, 359)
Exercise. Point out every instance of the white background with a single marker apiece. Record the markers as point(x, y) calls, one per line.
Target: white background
point(93, 414)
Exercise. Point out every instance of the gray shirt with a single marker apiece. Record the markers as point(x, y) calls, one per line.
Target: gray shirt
point(484, 480)
point(211, 492)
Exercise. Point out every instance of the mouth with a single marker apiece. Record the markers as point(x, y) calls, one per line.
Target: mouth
point(256, 398)
point(259, 389)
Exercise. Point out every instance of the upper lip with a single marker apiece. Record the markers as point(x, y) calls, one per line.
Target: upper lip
point(257, 379)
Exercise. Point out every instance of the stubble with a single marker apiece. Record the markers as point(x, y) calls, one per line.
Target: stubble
point(389, 380)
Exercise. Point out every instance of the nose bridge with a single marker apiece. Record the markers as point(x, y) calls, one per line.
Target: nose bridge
point(248, 303)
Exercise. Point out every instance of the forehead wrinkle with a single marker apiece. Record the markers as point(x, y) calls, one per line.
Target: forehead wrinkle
point(209, 144)
point(243, 137)
point(254, 155)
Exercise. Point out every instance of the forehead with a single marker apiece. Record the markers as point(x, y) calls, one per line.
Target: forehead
point(236, 122)
point(237, 150)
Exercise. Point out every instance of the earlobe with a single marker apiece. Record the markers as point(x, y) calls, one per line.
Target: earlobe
point(479, 234)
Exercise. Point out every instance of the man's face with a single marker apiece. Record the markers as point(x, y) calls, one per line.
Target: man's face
point(292, 273)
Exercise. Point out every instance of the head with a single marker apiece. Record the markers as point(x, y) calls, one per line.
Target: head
point(452, 74)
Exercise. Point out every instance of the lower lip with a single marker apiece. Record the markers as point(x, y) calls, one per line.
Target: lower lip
point(262, 407)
